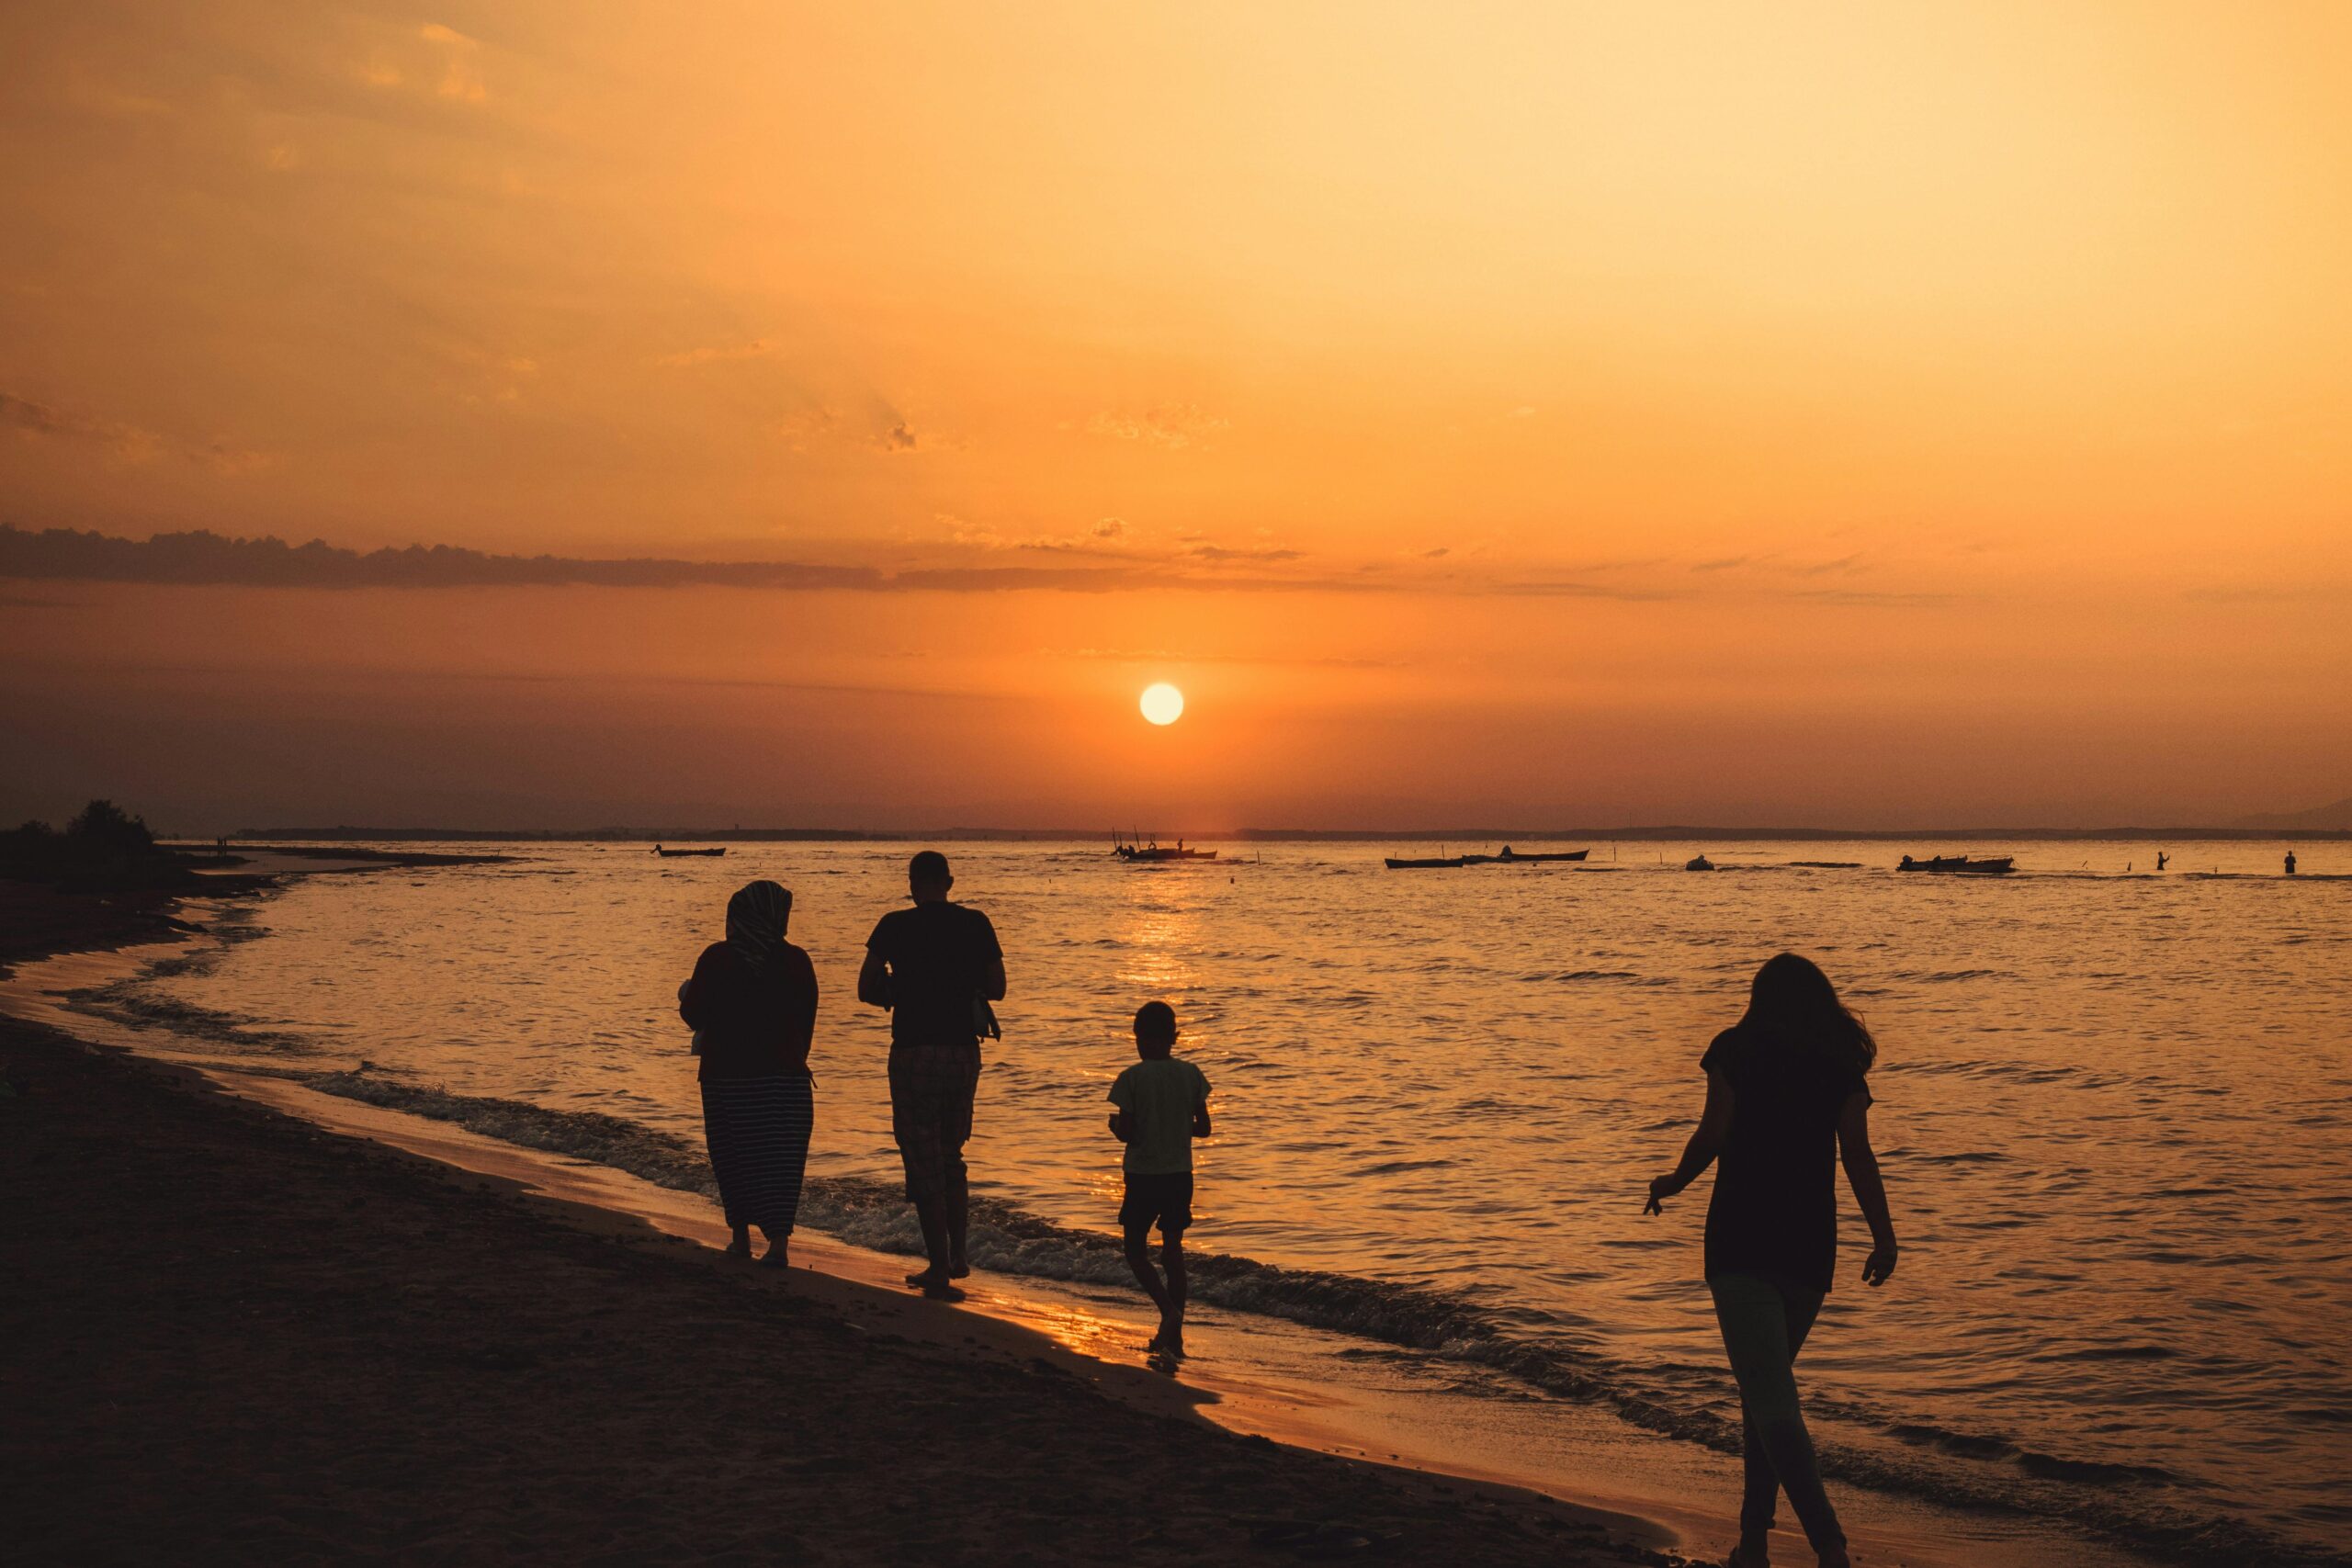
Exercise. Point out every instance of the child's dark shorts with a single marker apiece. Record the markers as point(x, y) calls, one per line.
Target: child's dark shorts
point(1165, 1201)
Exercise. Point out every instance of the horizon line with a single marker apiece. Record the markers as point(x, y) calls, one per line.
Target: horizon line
point(1661, 831)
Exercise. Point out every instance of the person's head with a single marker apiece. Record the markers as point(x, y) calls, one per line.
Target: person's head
point(756, 917)
point(1791, 1001)
point(927, 877)
point(1155, 1029)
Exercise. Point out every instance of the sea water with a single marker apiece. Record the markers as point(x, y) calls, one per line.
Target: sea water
point(2112, 1109)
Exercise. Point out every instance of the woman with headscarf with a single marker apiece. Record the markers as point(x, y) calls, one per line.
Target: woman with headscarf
point(752, 1003)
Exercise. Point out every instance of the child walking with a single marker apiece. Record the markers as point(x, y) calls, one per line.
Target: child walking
point(1786, 1101)
point(1163, 1105)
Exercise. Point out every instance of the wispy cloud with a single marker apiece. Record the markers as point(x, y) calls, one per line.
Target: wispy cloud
point(1165, 424)
point(1559, 590)
point(717, 354)
point(1221, 552)
point(128, 443)
point(205, 557)
point(1169, 656)
point(461, 77)
point(1091, 564)
point(1883, 600)
point(2256, 596)
point(881, 427)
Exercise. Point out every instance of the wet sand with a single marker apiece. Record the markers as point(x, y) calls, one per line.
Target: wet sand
point(230, 1334)
point(36, 920)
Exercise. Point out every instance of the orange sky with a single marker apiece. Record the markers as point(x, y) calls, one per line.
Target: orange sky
point(1825, 414)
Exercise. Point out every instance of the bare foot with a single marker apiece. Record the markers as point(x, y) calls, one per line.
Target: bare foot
point(740, 1247)
point(935, 1285)
point(778, 1256)
point(1747, 1556)
point(1169, 1341)
point(957, 1269)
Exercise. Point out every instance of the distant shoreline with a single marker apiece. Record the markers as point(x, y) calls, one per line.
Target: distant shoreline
point(1667, 833)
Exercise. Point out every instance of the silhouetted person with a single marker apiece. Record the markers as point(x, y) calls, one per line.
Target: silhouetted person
point(2161, 859)
point(935, 968)
point(1163, 1105)
point(1785, 1098)
point(2290, 862)
point(752, 1003)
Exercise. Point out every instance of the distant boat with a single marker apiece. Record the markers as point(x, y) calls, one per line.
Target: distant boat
point(678, 854)
point(1508, 856)
point(1156, 853)
point(1989, 865)
point(1698, 863)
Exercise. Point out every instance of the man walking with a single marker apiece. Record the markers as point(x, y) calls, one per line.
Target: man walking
point(934, 967)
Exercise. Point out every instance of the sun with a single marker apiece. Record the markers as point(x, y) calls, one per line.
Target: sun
point(1162, 703)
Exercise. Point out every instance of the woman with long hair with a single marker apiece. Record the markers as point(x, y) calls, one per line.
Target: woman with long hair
point(1786, 1099)
point(752, 1003)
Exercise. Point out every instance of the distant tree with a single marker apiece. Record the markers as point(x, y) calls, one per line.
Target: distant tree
point(106, 827)
point(104, 849)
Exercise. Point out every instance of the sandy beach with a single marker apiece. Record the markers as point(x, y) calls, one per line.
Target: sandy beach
point(273, 1162)
point(234, 1335)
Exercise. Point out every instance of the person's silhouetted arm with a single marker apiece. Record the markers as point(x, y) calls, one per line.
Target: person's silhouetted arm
point(873, 981)
point(693, 997)
point(1201, 1118)
point(993, 983)
point(1861, 1173)
point(800, 1006)
point(1121, 1128)
point(1706, 1143)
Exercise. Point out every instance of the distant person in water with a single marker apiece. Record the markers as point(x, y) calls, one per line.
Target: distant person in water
point(2162, 859)
point(2290, 862)
point(1786, 1097)
point(1162, 1105)
point(935, 968)
point(752, 1003)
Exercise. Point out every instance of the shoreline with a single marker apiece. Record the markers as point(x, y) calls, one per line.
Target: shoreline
point(1597, 1473)
point(152, 1314)
point(164, 1326)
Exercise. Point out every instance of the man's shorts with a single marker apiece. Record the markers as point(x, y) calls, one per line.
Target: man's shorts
point(1164, 1200)
point(931, 1088)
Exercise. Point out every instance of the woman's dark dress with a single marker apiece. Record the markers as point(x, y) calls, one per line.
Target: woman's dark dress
point(1771, 1253)
point(754, 1026)
point(1774, 1211)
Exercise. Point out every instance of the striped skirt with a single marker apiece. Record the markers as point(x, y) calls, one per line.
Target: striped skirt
point(758, 1132)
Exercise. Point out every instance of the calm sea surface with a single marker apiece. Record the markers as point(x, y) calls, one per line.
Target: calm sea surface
point(2111, 1108)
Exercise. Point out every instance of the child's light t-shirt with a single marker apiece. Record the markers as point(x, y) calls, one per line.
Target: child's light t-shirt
point(1157, 1096)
